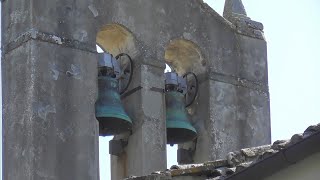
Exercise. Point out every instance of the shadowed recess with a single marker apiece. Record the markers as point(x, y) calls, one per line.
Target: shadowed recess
point(116, 39)
point(184, 56)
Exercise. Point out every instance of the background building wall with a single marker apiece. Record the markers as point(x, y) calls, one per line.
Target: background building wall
point(307, 169)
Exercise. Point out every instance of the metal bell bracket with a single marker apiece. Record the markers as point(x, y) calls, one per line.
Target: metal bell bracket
point(192, 87)
point(174, 82)
point(187, 84)
point(126, 66)
point(119, 67)
point(108, 66)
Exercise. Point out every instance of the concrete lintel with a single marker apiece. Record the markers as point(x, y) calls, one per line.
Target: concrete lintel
point(238, 81)
point(34, 34)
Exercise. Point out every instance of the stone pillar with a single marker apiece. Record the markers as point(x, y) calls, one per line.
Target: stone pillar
point(146, 149)
point(49, 76)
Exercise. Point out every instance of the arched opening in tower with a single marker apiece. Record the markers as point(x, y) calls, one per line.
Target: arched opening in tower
point(116, 39)
point(182, 56)
point(113, 39)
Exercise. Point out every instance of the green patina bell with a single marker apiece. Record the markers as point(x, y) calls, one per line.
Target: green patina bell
point(179, 129)
point(109, 110)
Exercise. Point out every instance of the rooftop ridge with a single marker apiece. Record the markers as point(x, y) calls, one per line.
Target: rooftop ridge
point(237, 161)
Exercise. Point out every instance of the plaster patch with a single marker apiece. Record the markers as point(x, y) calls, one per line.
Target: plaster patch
point(55, 74)
point(33, 33)
point(18, 16)
point(220, 96)
point(43, 111)
point(45, 175)
point(80, 35)
point(162, 11)
point(57, 39)
point(74, 72)
point(54, 71)
point(187, 35)
point(93, 10)
point(69, 130)
point(61, 136)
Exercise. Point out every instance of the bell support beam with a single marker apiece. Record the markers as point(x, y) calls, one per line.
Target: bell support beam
point(146, 149)
point(49, 81)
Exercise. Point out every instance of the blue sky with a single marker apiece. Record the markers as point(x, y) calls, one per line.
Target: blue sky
point(292, 30)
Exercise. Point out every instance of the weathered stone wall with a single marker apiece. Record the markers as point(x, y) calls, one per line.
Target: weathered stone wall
point(49, 90)
point(231, 111)
point(234, 62)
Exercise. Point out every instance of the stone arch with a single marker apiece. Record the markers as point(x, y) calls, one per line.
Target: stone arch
point(184, 56)
point(115, 38)
point(158, 23)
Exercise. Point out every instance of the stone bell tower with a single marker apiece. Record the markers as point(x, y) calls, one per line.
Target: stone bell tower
point(50, 83)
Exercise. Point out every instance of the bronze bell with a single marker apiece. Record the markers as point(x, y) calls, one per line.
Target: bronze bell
point(179, 128)
point(108, 108)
